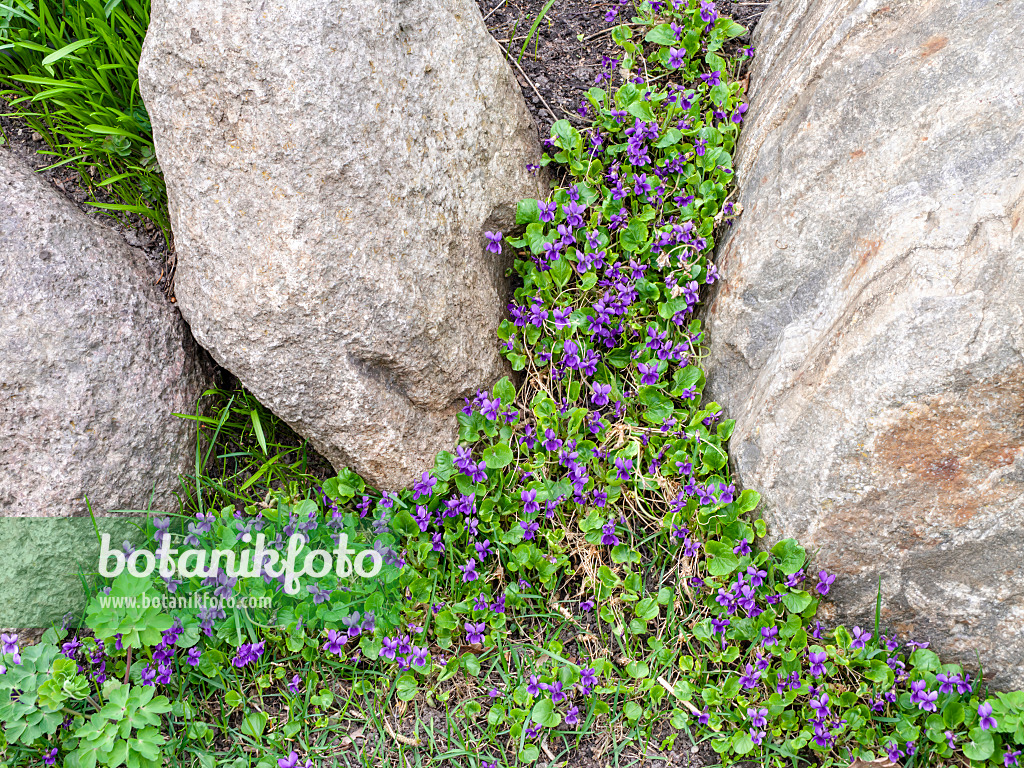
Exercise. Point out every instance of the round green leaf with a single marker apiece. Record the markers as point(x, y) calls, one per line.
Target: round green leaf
point(406, 687)
point(498, 456)
point(544, 714)
point(981, 746)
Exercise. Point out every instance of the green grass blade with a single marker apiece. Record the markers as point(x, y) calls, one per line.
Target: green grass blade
point(533, 29)
point(67, 50)
point(110, 7)
point(254, 414)
point(262, 470)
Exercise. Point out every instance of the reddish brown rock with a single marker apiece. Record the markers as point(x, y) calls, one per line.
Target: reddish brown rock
point(869, 337)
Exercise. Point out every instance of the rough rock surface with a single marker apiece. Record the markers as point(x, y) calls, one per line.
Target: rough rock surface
point(331, 172)
point(869, 335)
point(93, 363)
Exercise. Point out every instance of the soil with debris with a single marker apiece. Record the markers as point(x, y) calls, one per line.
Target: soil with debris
point(564, 55)
point(30, 146)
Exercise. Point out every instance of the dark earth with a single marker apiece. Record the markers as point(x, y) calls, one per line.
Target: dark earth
point(564, 55)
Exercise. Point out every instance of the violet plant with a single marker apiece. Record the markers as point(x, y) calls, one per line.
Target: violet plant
point(583, 561)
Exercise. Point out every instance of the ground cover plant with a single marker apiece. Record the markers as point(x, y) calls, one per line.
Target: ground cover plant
point(582, 564)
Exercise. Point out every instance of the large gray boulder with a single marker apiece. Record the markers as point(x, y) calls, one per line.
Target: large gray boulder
point(94, 362)
point(332, 169)
point(869, 335)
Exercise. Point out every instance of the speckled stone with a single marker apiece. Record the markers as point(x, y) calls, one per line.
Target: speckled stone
point(331, 170)
point(94, 362)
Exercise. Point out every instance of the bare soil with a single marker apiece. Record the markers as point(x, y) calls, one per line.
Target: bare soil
point(565, 54)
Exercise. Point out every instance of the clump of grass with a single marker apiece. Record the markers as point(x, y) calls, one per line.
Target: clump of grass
point(70, 70)
point(244, 452)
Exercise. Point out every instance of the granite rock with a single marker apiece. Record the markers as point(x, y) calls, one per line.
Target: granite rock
point(331, 171)
point(94, 362)
point(869, 333)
